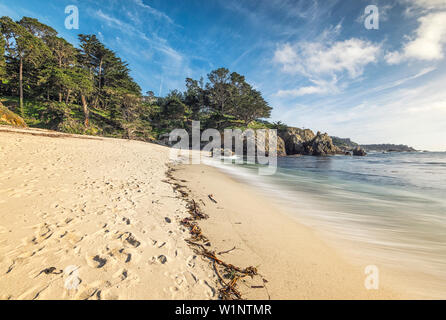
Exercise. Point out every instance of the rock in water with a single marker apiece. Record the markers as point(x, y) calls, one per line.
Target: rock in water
point(261, 143)
point(321, 145)
point(358, 151)
point(281, 149)
point(9, 117)
point(295, 138)
point(304, 141)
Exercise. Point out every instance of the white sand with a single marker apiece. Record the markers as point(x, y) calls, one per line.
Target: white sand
point(97, 205)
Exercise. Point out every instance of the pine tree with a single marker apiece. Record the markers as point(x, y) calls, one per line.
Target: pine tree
point(23, 47)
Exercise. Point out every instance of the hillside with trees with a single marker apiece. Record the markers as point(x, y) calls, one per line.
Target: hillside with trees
point(47, 82)
point(387, 147)
point(88, 89)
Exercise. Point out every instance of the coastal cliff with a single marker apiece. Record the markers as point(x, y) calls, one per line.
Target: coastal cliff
point(305, 142)
point(347, 145)
point(388, 148)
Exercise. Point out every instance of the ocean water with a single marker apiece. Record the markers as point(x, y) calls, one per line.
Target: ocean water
point(391, 208)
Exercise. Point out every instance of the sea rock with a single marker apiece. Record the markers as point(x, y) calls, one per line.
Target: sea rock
point(261, 141)
point(281, 149)
point(321, 145)
point(358, 151)
point(345, 144)
point(9, 117)
point(295, 139)
point(305, 142)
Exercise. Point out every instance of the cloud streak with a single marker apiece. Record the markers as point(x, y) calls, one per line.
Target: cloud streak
point(157, 43)
point(153, 11)
point(319, 87)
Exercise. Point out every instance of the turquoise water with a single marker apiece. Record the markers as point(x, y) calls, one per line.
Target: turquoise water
point(392, 206)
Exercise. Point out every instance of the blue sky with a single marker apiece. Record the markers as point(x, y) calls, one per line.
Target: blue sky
point(314, 60)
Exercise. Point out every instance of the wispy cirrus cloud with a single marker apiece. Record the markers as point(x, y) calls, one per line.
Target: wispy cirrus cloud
point(156, 42)
point(153, 11)
point(318, 87)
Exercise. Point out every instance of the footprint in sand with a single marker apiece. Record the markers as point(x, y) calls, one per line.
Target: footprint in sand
point(44, 233)
point(96, 261)
point(160, 259)
point(129, 238)
point(190, 261)
point(120, 254)
point(87, 293)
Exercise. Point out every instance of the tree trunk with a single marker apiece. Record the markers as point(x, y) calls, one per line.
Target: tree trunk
point(100, 74)
point(86, 112)
point(96, 101)
point(22, 112)
point(68, 97)
point(60, 89)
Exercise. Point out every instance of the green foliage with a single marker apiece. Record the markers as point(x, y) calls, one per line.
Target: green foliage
point(279, 126)
point(36, 28)
point(219, 90)
point(2, 59)
point(90, 90)
point(53, 114)
point(195, 97)
point(23, 47)
point(226, 100)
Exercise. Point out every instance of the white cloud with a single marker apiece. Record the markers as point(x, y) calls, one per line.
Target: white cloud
point(426, 4)
point(317, 58)
point(320, 87)
point(301, 91)
point(431, 3)
point(428, 43)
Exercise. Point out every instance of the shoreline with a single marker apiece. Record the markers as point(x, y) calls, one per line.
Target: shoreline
point(398, 274)
point(103, 206)
point(297, 263)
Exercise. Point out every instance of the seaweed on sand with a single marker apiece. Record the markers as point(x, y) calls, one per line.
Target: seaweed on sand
point(228, 274)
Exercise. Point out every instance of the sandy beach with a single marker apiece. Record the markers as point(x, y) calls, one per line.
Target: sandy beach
point(97, 206)
point(94, 218)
